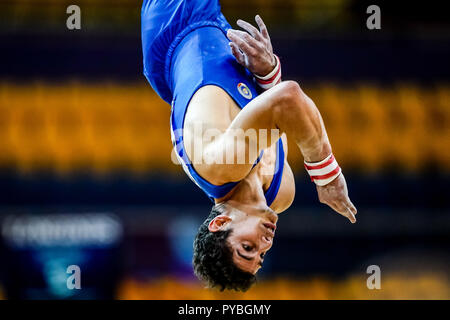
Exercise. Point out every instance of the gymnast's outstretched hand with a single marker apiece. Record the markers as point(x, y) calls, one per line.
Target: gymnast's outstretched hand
point(253, 48)
point(335, 195)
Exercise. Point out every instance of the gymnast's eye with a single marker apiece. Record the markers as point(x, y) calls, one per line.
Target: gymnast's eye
point(247, 247)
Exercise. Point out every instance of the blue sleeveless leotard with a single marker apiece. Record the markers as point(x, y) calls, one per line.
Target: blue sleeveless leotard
point(185, 48)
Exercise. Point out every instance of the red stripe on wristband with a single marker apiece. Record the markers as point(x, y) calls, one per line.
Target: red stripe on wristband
point(269, 80)
point(320, 166)
point(326, 176)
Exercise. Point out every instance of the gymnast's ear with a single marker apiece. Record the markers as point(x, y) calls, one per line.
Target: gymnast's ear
point(218, 223)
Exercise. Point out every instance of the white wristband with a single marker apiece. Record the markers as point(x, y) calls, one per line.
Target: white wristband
point(323, 172)
point(273, 78)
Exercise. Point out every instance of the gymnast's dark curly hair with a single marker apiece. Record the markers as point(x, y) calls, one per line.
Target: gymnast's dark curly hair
point(213, 259)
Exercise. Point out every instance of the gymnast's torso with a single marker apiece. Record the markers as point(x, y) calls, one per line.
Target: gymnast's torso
point(186, 52)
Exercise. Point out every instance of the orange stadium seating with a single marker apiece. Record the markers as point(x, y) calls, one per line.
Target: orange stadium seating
point(109, 127)
point(395, 286)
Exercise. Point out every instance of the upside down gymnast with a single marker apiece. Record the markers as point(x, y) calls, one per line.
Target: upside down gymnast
point(228, 82)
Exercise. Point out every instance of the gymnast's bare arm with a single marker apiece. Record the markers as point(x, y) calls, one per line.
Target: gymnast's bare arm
point(284, 107)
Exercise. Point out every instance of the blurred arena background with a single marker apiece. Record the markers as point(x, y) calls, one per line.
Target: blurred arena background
point(86, 176)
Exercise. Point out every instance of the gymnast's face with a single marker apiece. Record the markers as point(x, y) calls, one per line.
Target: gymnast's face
point(251, 236)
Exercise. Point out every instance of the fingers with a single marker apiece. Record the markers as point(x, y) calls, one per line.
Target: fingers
point(335, 195)
point(245, 37)
point(350, 215)
point(345, 208)
point(237, 53)
point(262, 27)
point(352, 207)
point(250, 29)
point(244, 41)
